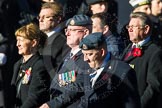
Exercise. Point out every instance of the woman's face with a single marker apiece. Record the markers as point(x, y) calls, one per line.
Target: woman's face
point(25, 46)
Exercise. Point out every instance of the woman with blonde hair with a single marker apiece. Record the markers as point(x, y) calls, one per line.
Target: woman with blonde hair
point(30, 81)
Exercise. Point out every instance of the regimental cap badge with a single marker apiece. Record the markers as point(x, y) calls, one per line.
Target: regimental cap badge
point(72, 22)
point(84, 47)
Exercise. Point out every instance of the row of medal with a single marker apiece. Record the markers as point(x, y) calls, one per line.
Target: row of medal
point(67, 77)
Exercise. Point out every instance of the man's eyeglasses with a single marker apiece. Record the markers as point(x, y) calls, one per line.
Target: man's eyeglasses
point(133, 26)
point(79, 30)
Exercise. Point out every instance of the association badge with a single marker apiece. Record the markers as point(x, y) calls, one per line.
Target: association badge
point(84, 47)
point(72, 22)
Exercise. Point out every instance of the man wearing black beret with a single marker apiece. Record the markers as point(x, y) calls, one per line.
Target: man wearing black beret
point(112, 83)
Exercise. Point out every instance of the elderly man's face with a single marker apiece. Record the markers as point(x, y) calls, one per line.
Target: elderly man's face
point(93, 57)
point(137, 31)
point(74, 35)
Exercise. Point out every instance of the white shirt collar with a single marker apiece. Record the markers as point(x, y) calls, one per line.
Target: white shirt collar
point(74, 52)
point(56, 29)
point(50, 33)
point(98, 72)
point(140, 43)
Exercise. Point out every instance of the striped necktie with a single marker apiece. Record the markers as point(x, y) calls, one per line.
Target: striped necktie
point(129, 53)
point(71, 54)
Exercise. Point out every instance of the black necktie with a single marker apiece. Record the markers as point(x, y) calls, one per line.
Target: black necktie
point(71, 54)
point(66, 60)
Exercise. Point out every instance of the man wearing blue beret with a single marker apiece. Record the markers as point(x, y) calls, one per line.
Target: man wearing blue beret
point(67, 85)
point(112, 84)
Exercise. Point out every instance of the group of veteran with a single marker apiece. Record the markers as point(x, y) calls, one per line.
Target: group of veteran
point(89, 75)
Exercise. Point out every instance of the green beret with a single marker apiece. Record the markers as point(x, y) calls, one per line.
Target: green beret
point(92, 41)
point(79, 20)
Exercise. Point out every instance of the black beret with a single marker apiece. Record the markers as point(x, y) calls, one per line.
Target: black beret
point(92, 41)
point(79, 20)
point(89, 2)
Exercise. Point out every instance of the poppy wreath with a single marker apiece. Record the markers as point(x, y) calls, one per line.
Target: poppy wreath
point(137, 52)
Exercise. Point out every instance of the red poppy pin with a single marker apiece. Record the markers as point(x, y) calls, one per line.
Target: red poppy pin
point(137, 52)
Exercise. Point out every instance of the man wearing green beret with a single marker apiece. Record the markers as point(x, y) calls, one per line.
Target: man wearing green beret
point(112, 83)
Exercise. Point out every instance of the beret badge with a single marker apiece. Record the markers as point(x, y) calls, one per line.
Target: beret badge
point(72, 22)
point(84, 47)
